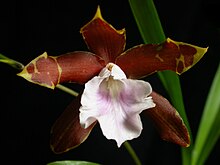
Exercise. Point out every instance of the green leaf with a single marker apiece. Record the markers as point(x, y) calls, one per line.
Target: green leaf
point(148, 21)
point(209, 131)
point(151, 31)
point(13, 63)
point(72, 162)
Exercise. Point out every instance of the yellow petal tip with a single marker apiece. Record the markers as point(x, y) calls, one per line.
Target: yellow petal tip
point(98, 13)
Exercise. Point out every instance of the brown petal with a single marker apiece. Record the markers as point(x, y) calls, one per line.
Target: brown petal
point(143, 60)
point(168, 121)
point(103, 39)
point(49, 71)
point(67, 132)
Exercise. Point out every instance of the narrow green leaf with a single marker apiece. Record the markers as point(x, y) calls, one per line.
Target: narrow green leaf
point(147, 19)
point(72, 162)
point(151, 31)
point(13, 63)
point(172, 86)
point(209, 131)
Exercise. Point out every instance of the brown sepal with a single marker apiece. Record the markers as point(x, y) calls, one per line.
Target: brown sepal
point(103, 39)
point(79, 66)
point(168, 121)
point(67, 132)
point(48, 71)
point(146, 59)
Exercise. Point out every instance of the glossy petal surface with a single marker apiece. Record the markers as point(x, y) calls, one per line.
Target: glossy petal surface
point(143, 60)
point(115, 103)
point(72, 67)
point(67, 132)
point(168, 121)
point(103, 39)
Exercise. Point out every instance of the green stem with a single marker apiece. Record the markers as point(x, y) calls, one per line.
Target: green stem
point(67, 90)
point(13, 63)
point(132, 153)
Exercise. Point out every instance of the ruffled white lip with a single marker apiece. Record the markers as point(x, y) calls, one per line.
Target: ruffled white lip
point(115, 102)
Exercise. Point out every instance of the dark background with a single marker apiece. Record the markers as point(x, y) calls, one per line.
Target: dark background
point(28, 28)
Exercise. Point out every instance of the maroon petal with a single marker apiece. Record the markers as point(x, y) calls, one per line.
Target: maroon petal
point(79, 66)
point(67, 132)
point(143, 60)
point(168, 121)
point(103, 39)
point(49, 71)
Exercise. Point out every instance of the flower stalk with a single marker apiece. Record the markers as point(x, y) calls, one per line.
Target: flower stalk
point(13, 63)
point(67, 90)
point(132, 153)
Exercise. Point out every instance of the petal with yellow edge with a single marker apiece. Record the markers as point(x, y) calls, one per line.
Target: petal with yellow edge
point(168, 121)
point(67, 132)
point(103, 39)
point(48, 71)
point(143, 60)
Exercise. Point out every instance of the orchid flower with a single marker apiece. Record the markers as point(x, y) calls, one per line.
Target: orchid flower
point(113, 95)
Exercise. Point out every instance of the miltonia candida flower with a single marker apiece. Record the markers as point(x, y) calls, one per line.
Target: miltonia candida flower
point(116, 103)
point(113, 96)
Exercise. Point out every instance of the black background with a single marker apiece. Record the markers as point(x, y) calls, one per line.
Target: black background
point(28, 28)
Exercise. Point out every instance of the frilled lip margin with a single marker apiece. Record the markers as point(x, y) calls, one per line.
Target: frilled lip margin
point(107, 45)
